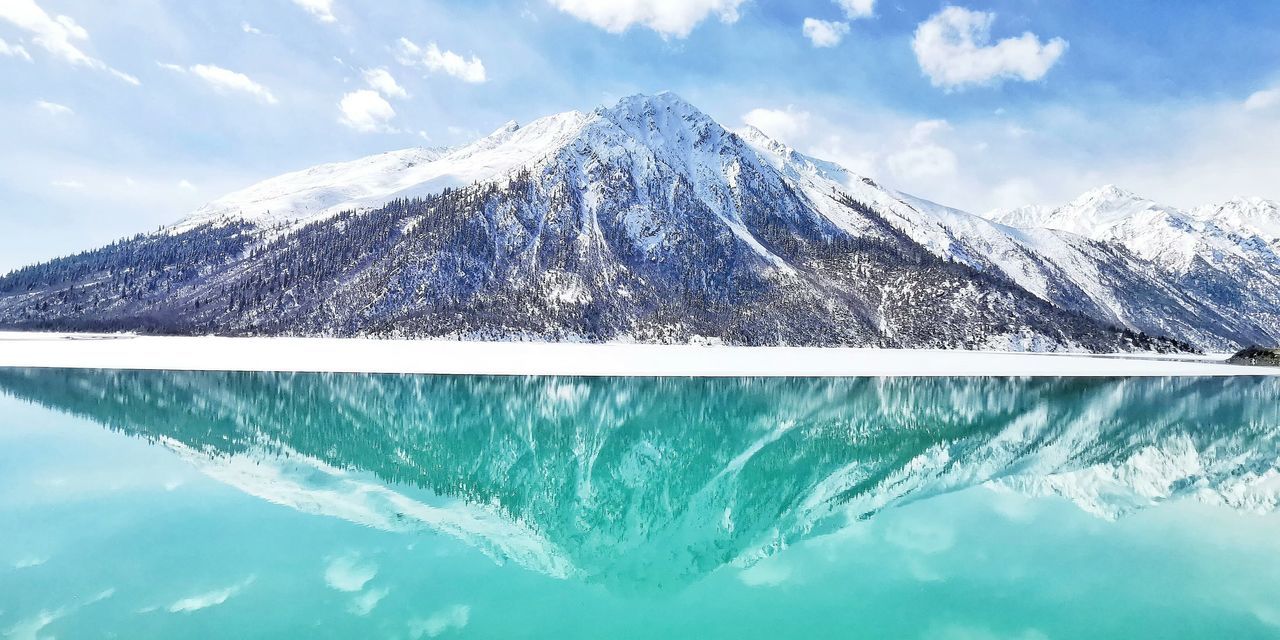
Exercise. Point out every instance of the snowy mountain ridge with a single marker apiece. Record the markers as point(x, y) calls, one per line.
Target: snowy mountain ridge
point(1157, 232)
point(328, 189)
point(649, 221)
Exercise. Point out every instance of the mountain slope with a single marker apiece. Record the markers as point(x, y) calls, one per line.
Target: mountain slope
point(1085, 275)
point(645, 221)
point(1225, 257)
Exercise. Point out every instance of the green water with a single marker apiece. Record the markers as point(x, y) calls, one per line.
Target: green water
point(249, 505)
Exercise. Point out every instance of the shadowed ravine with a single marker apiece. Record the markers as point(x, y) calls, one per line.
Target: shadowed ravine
point(642, 483)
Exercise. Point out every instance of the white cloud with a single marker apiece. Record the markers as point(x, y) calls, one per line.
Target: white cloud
point(433, 59)
point(823, 33)
point(769, 572)
point(366, 111)
point(1012, 193)
point(924, 161)
point(667, 17)
point(381, 80)
point(54, 108)
point(365, 603)
point(349, 573)
point(924, 130)
point(68, 184)
point(954, 49)
point(15, 50)
point(56, 34)
point(248, 28)
point(921, 536)
point(786, 125)
point(455, 617)
point(855, 9)
point(225, 80)
point(27, 562)
point(209, 598)
point(321, 9)
point(1265, 99)
point(30, 628)
point(185, 184)
point(923, 157)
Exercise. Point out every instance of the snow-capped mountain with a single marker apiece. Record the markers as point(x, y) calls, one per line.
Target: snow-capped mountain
point(643, 221)
point(1247, 216)
point(1225, 255)
point(659, 481)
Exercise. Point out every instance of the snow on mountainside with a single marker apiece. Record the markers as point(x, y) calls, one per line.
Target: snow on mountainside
point(646, 220)
point(1158, 233)
point(369, 182)
point(1061, 268)
point(1225, 255)
point(1245, 215)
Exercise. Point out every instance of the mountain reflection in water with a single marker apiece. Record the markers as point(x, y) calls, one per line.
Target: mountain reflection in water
point(651, 482)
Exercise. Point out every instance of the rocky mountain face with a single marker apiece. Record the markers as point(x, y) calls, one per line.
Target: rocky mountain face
point(659, 481)
point(644, 221)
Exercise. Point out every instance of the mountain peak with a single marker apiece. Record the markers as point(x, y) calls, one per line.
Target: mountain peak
point(755, 137)
point(661, 99)
point(511, 126)
point(655, 108)
point(1107, 193)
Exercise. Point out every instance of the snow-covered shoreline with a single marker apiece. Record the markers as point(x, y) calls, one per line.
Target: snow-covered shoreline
point(99, 351)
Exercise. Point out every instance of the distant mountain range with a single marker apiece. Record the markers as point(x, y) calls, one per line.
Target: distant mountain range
point(649, 221)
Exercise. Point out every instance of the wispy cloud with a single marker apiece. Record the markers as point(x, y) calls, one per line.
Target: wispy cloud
point(923, 156)
point(59, 35)
point(365, 603)
point(30, 628)
point(434, 59)
point(209, 598)
point(349, 573)
point(451, 618)
point(666, 17)
point(322, 10)
point(225, 80)
point(769, 572)
point(29, 561)
point(248, 28)
point(381, 80)
point(14, 50)
point(54, 108)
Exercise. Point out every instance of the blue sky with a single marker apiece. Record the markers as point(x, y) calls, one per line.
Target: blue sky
point(119, 117)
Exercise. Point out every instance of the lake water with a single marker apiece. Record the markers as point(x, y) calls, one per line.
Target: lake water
point(259, 505)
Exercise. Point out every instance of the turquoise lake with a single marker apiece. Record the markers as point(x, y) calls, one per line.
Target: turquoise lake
point(158, 504)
